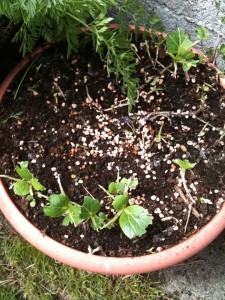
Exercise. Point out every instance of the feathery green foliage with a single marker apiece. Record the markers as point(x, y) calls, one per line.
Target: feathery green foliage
point(64, 19)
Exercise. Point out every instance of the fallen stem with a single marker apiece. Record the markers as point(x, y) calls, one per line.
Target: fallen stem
point(194, 210)
point(182, 174)
point(9, 177)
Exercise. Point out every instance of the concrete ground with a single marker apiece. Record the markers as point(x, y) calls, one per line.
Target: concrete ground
point(201, 277)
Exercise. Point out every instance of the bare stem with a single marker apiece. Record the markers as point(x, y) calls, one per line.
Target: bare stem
point(9, 177)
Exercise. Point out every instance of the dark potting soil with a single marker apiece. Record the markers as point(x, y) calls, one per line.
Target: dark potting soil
point(75, 123)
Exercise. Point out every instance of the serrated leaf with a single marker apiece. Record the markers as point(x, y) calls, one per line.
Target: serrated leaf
point(112, 188)
point(184, 164)
point(24, 173)
point(21, 188)
point(98, 220)
point(73, 215)
point(36, 185)
point(188, 64)
point(59, 204)
point(134, 220)
point(89, 208)
point(178, 40)
point(105, 21)
point(120, 202)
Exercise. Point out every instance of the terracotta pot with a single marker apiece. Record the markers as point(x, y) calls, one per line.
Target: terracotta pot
point(95, 263)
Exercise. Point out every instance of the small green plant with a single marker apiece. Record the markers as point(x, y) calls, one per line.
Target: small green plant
point(179, 48)
point(133, 219)
point(159, 137)
point(184, 166)
point(26, 184)
point(61, 205)
point(14, 116)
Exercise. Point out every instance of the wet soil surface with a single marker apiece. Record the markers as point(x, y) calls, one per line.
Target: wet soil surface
point(75, 122)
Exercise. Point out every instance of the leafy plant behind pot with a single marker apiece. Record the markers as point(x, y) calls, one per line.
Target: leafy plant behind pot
point(63, 20)
point(179, 48)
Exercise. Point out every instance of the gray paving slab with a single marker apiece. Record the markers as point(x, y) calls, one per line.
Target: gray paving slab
point(201, 277)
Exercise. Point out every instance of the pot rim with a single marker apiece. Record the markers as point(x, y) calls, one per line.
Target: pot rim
point(96, 263)
point(110, 265)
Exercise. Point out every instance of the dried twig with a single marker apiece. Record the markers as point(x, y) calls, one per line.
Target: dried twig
point(167, 114)
point(190, 207)
point(59, 90)
point(186, 201)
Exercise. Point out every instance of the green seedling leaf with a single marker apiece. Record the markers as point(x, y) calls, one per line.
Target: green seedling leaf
point(202, 132)
point(89, 208)
point(178, 47)
point(188, 64)
point(112, 188)
point(184, 164)
point(59, 204)
point(24, 164)
point(120, 202)
point(12, 116)
point(121, 187)
point(133, 183)
point(23, 172)
point(32, 201)
point(134, 220)
point(73, 215)
point(98, 220)
point(36, 185)
point(178, 42)
point(21, 188)
point(202, 33)
point(101, 219)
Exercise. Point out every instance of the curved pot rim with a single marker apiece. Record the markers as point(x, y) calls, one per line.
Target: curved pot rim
point(96, 263)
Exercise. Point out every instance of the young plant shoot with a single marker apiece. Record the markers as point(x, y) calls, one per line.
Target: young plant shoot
point(179, 48)
point(60, 205)
point(133, 219)
point(185, 165)
point(26, 184)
